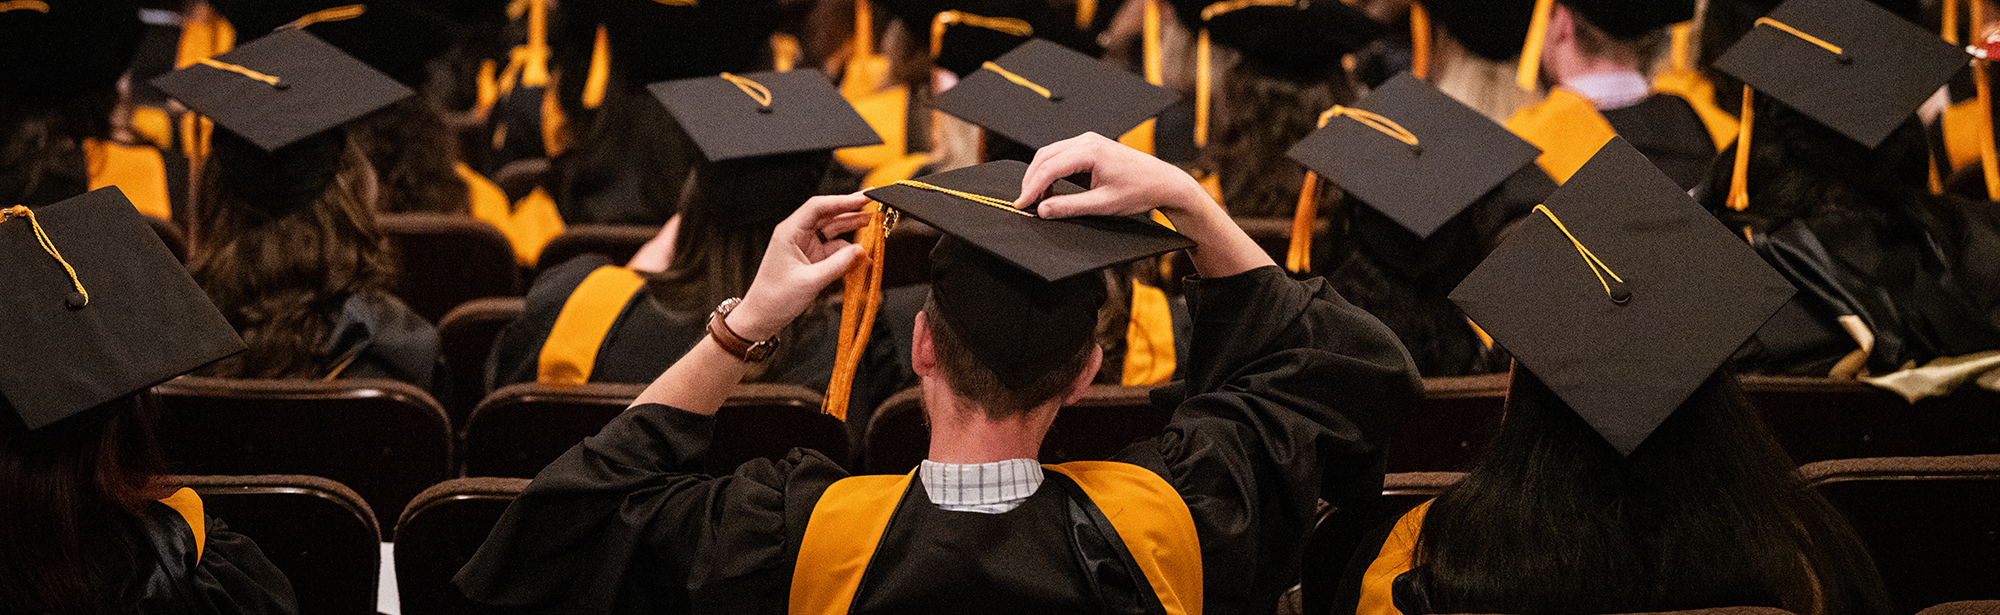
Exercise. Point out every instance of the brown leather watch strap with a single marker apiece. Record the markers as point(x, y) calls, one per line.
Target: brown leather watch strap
point(748, 351)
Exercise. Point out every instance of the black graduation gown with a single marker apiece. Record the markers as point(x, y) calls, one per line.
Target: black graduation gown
point(232, 577)
point(1289, 388)
point(1666, 129)
point(377, 336)
point(648, 337)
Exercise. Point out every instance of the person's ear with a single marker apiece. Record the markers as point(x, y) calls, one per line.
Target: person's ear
point(923, 356)
point(1081, 386)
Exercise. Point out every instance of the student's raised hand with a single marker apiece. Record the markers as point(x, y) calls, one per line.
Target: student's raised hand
point(1126, 181)
point(1122, 180)
point(806, 254)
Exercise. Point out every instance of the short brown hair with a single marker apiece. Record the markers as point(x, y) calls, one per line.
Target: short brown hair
point(973, 380)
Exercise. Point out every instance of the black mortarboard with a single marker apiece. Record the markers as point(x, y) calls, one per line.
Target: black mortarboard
point(1490, 29)
point(1304, 39)
point(317, 87)
point(1884, 69)
point(657, 41)
point(1624, 297)
point(393, 38)
point(1459, 156)
point(971, 40)
point(56, 50)
point(1011, 285)
point(1630, 19)
point(1066, 94)
point(145, 320)
point(757, 114)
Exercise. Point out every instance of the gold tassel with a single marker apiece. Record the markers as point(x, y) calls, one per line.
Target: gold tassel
point(1739, 177)
point(1531, 53)
point(861, 297)
point(1420, 41)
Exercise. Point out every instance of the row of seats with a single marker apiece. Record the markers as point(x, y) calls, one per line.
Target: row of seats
point(389, 440)
point(1932, 524)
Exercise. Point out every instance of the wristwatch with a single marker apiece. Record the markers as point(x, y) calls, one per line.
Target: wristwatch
point(748, 351)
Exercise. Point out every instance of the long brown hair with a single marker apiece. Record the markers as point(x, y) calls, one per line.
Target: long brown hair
point(66, 487)
point(41, 152)
point(280, 274)
point(1709, 511)
point(413, 152)
point(1260, 116)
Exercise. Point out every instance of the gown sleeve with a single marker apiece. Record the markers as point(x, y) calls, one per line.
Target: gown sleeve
point(234, 577)
point(625, 522)
point(1289, 388)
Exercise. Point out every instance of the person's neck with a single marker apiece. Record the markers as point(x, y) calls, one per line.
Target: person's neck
point(961, 433)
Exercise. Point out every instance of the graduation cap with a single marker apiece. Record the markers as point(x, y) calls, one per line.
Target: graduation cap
point(1630, 19)
point(768, 138)
point(659, 41)
point(282, 88)
point(963, 34)
point(98, 309)
point(1848, 64)
point(1011, 285)
point(57, 50)
point(1302, 38)
point(1413, 153)
point(1621, 294)
point(1041, 93)
point(732, 116)
point(1491, 29)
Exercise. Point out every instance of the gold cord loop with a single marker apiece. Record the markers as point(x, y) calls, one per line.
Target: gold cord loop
point(273, 80)
point(1210, 11)
point(1019, 80)
point(946, 19)
point(1766, 21)
point(338, 13)
point(1373, 120)
point(755, 90)
point(24, 5)
point(976, 198)
point(22, 211)
point(1597, 265)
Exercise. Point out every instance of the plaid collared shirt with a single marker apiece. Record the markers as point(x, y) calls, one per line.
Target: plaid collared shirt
point(990, 488)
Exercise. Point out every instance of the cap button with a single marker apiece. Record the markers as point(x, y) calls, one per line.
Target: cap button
point(1620, 295)
point(76, 301)
point(1055, 98)
point(281, 86)
point(763, 108)
point(1843, 58)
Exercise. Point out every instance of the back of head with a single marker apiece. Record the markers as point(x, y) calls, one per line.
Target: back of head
point(72, 488)
point(57, 87)
point(1799, 166)
point(284, 239)
point(1003, 338)
point(1707, 512)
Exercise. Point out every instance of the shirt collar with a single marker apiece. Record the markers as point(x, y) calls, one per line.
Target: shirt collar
point(994, 487)
point(1610, 90)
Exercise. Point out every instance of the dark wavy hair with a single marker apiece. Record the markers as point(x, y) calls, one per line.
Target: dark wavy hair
point(1709, 511)
point(42, 160)
point(67, 486)
point(1257, 116)
point(281, 273)
point(413, 152)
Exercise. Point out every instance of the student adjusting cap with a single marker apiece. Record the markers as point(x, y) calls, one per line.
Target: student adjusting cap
point(1010, 284)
